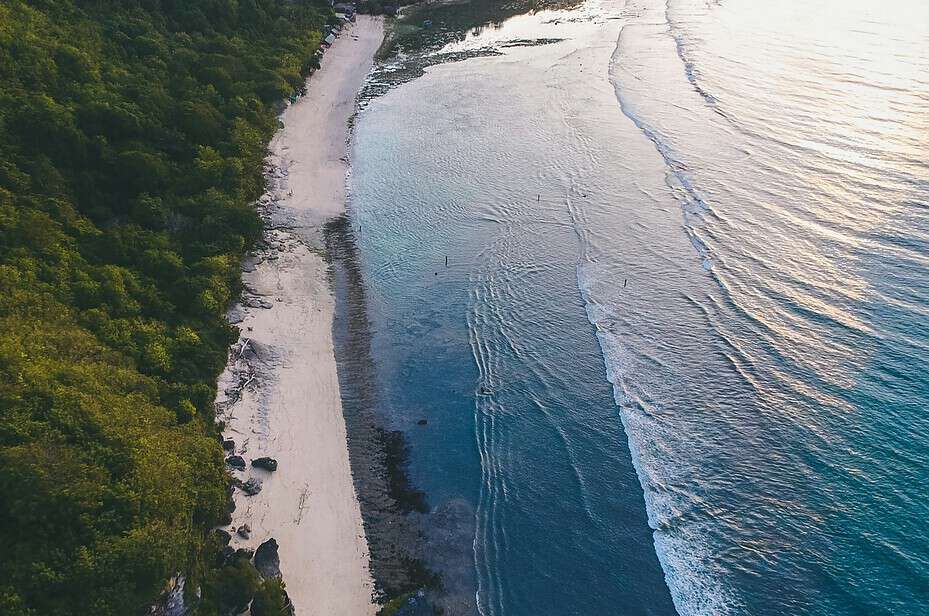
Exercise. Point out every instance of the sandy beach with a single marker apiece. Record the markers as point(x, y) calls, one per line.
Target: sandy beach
point(280, 396)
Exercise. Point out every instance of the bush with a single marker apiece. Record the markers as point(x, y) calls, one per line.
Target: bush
point(229, 589)
point(272, 600)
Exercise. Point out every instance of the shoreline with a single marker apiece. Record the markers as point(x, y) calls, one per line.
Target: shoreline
point(392, 509)
point(280, 395)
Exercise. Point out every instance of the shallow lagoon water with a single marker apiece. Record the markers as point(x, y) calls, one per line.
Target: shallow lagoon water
point(677, 360)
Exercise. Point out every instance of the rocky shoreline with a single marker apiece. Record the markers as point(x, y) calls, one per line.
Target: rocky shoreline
point(390, 505)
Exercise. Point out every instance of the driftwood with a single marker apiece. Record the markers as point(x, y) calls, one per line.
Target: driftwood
point(235, 393)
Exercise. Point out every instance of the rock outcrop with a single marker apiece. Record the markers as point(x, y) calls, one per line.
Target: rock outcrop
point(268, 464)
point(236, 462)
point(267, 560)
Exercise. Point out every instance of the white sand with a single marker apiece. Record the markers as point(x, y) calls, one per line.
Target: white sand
point(291, 408)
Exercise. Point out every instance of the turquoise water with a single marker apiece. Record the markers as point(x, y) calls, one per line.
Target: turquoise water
point(679, 357)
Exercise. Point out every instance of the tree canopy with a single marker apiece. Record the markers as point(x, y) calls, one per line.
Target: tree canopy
point(132, 140)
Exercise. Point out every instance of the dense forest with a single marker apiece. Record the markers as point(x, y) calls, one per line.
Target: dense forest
point(132, 139)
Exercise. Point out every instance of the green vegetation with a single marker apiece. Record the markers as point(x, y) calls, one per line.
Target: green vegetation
point(132, 139)
point(271, 599)
point(450, 21)
point(230, 589)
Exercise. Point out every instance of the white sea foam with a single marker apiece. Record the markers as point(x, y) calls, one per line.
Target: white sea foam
point(681, 547)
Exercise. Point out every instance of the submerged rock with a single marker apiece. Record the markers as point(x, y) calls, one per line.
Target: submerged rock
point(228, 444)
point(267, 560)
point(417, 604)
point(244, 531)
point(237, 462)
point(268, 464)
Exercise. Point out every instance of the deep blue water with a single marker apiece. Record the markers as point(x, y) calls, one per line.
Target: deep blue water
point(679, 357)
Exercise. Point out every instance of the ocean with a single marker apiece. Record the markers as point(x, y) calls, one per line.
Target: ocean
point(648, 286)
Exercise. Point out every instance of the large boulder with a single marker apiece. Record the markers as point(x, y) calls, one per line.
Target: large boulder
point(268, 464)
point(267, 560)
point(236, 462)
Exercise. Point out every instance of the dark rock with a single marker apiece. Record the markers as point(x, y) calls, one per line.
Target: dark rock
point(267, 560)
point(421, 422)
point(249, 264)
point(237, 462)
point(235, 315)
point(226, 555)
point(255, 351)
point(228, 444)
point(257, 302)
point(244, 531)
point(252, 486)
point(269, 464)
point(418, 604)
